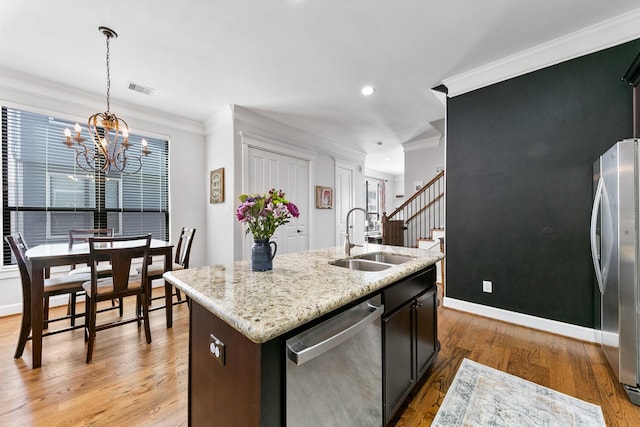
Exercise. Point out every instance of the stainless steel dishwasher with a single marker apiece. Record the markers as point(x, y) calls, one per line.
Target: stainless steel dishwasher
point(334, 370)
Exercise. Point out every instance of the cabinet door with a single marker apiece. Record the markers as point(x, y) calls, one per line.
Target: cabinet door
point(398, 358)
point(426, 330)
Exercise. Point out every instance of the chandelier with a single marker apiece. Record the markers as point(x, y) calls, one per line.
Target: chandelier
point(109, 136)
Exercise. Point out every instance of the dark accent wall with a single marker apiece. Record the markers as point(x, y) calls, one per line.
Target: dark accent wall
point(519, 184)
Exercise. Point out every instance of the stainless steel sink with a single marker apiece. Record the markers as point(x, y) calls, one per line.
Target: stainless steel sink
point(386, 258)
point(361, 264)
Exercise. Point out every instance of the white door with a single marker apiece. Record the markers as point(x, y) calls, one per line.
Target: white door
point(267, 170)
point(344, 199)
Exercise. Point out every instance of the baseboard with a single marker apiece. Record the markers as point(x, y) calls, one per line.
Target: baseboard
point(553, 326)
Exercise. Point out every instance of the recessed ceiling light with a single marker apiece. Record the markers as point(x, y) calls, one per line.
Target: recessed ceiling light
point(387, 159)
point(368, 90)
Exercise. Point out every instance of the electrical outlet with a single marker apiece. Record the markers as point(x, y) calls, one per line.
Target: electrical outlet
point(487, 286)
point(217, 349)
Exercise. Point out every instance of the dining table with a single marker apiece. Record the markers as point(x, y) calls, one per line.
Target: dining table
point(42, 257)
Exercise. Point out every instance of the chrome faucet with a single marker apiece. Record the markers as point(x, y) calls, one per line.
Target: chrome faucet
point(347, 244)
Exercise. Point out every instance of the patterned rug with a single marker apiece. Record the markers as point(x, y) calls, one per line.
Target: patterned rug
point(483, 396)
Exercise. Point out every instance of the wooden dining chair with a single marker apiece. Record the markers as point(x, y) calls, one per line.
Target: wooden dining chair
point(181, 261)
point(81, 235)
point(120, 252)
point(52, 286)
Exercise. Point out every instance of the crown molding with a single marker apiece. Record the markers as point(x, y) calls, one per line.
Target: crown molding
point(421, 144)
point(68, 100)
point(597, 37)
point(263, 142)
point(220, 118)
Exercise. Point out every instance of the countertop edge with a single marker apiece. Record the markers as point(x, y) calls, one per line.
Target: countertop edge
point(262, 330)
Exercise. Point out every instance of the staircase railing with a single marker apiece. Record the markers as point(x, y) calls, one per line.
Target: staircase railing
point(417, 216)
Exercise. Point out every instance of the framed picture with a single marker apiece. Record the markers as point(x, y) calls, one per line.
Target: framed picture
point(324, 197)
point(216, 186)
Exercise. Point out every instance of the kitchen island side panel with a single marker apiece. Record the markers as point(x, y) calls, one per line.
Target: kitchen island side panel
point(246, 390)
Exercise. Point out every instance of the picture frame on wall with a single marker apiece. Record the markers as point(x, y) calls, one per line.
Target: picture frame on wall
point(216, 186)
point(324, 197)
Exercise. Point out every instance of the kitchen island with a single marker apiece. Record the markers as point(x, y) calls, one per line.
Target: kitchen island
point(240, 320)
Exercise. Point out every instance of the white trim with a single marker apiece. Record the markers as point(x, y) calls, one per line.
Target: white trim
point(250, 139)
point(421, 144)
point(597, 37)
point(72, 99)
point(533, 322)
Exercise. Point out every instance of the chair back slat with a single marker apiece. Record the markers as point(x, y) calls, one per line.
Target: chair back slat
point(183, 250)
point(120, 252)
point(81, 235)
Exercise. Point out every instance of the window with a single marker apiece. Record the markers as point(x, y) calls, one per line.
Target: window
point(45, 193)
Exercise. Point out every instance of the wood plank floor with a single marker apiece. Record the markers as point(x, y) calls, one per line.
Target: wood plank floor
point(135, 384)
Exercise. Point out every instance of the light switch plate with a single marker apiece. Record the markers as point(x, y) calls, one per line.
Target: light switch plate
point(217, 349)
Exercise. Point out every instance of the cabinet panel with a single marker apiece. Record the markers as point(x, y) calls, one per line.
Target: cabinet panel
point(410, 336)
point(398, 359)
point(426, 330)
point(407, 289)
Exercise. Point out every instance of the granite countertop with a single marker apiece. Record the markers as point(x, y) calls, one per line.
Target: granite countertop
point(301, 287)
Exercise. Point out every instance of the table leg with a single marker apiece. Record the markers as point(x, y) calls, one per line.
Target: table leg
point(168, 289)
point(37, 287)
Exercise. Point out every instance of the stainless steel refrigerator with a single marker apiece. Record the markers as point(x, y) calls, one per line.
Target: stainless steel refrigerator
point(615, 247)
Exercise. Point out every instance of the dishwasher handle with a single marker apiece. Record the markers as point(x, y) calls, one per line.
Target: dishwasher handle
point(300, 351)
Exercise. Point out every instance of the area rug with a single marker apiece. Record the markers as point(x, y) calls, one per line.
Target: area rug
point(483, 396)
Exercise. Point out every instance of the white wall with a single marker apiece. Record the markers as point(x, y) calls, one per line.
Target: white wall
point(220, 153)
point(421, 162)
point(188, 177)
point(324, 219)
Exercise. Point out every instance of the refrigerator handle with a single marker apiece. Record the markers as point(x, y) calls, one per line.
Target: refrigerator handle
point(597, 201)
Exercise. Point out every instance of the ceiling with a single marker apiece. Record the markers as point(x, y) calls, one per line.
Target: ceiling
point(302, 62)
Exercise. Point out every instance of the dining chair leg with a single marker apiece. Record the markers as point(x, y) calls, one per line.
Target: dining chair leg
point(72, 308)
point(178, 294)
point(139, 305)
point(87, 316)
point(45, 312)
point(147, 328)
point(91, 329)
point(148, 291)
point(25, 326)
point(121, 308)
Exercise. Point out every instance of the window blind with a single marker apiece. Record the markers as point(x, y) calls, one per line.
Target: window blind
point(45, 193)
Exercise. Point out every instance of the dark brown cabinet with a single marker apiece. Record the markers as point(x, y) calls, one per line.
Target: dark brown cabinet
point(409, 334)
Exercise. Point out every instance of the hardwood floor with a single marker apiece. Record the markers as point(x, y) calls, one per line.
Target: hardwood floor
point(128, 382)
point(573, 367)
point(132, 383)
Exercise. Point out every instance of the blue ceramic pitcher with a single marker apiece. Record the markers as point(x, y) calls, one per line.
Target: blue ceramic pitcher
point(261, 255)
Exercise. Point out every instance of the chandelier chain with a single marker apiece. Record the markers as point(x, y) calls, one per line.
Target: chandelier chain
point(108, 77)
